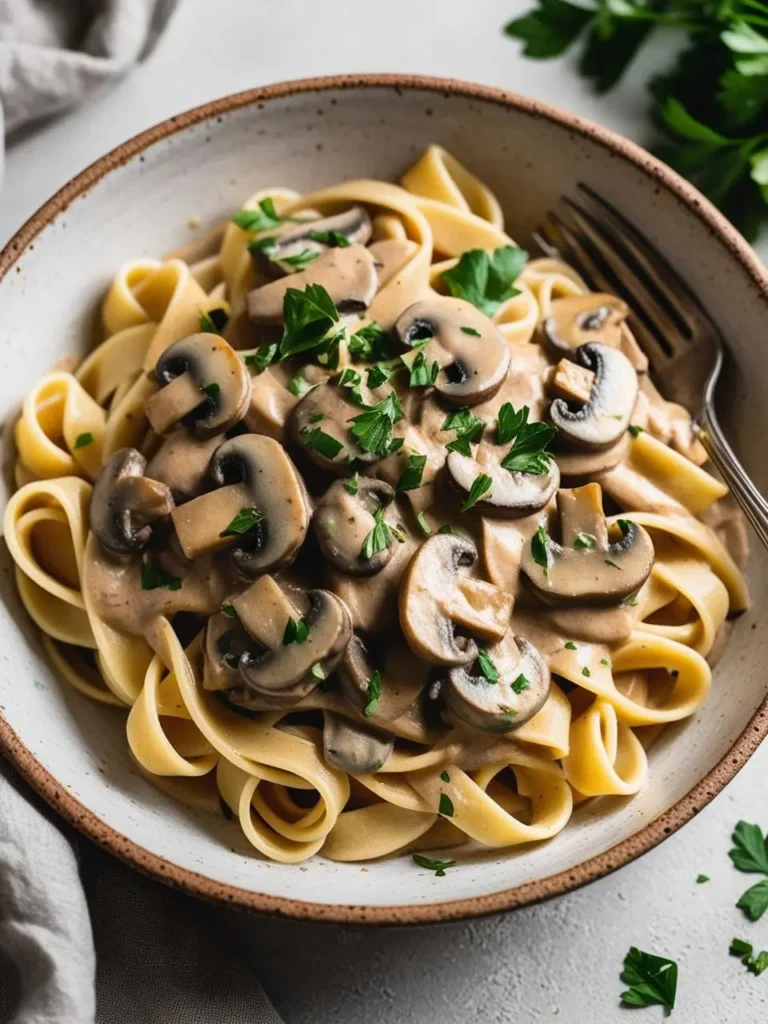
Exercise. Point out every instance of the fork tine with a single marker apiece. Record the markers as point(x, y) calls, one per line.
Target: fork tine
point(665, 280)
point(573, 251)
point(643, 299)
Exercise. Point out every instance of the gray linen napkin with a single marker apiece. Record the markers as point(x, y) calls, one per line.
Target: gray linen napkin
point(159, 955)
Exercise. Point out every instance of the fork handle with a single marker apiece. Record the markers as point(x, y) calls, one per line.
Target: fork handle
point(752, 502)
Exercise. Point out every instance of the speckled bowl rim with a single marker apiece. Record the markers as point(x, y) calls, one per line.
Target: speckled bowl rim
point(651, 834)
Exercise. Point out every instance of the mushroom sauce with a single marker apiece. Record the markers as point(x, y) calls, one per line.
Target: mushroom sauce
point(377, 526)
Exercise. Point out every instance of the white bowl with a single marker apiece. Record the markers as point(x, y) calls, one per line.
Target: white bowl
point(136, 202)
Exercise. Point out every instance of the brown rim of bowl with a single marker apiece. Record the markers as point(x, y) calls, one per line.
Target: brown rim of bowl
point(530, 892)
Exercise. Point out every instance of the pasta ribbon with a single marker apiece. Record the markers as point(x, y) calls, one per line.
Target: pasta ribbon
point(606, 757)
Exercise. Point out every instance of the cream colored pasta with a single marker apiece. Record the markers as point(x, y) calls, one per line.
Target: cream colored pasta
point(613, 671)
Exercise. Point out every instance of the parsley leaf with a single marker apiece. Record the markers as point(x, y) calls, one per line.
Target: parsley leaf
point(228, 609)
point(372, 429)
point(214, 320)
point(378, 375)
point(487, 666)
point(83, 440)
point(754, 902)
point(300, 259)
point(486, 281)
point(468, 427)
point(445, 776)
point(245, 520)
point(152, 578)
point(296, 632)
point(520, 684)
point(299, 385)
point(321, 442)
point(423, 525)
point(370, 344)
point(318, 671)
point(438, 866)
point(212, 390)
point(471, 331)
point(333, 239)
point(510, 422)
point(351, 485)
point(634, 429)
point(528, 454)
point(410, 478)
point(743, 950)
point(549, 31)
point(570, 645)
point(585, 540)
point(540, 549)
point(308, 316)
point(261, 357)
point(750, 849)
point(445, 807)
point(480, 486)
point(423, 376)
point(378, 539)
point(263, 218)
point(653, 979)
point(701, 879)
point(373, 690)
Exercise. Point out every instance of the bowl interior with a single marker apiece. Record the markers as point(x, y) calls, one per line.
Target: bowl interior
point(312, 138)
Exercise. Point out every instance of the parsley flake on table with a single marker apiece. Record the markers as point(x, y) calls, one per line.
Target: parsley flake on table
point(487, 281)
point(410, 478)
point(373, 691)
point(750, 848)
point(487, 666)
point(744, 951)
point(296, 632)
point(83, 440)
point(701, 879)
point(372, 429)
point(378, 539)
point(754, 902)
point(245, 520)
point(438, 866)
point(152, 578)
point(263, 218)
point(480, 486)
point(652, 980)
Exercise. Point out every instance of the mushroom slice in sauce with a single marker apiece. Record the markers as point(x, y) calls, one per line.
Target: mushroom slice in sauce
point(182, 462)
point(600, 423)
point(577, 320)
point(264, 611)
point(348, 275)
point(124, 504)
point(512, 495)
point(585, 567)
point(201, 379)
point(259, 507)
point(403, 677)
point(436, 597)
point(584, 467)
point(342, 522)
point(472, 352)
point(352, 225)
point(514, 698)
point(353, 747)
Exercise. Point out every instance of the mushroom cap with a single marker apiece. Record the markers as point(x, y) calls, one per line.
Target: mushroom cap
point(348, 275)
point(499, 707)
point(275, 488)
point(280, 668)
point(182, 462)
point(354, 224)
point(435, 597)
point(600, 423)
point(342, 521)
point(472, 368)
point(577, 320)
point(354, 747)
point(124, 502)
point(596, 571)
point(214, 365)
point(512, 495)
point(403, 677)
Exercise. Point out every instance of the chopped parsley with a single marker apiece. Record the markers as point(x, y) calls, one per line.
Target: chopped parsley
point(487, 666)
point(213, 321)
point(438, 866)
point(378, 375)
point(317, 417)
point(634, 429)
point(487, 281)
point(461, 420)
point(83, 440)
point(585, 672)
point(613, 565)
point(373, 690)
point(750, 849)
point(308, 316)
point(462, 442)
point(320, 442)
point(480, 486)
point(528, 452)
point(372, 429)
point(298, 385)
point(212, 390)
point(570, 646)
point(603, 661)
point(410, 478)
point(585, 540)
point(296, 632)
point(300, 260)
point(318, 671)
point(471, 331)
point(370, 344)
point(378, 539)
point(701, 879)
point(351, 485)
point(652, 980)
point(349, 378)
point(540, 549)
point(510, 422)
point(228, 609)
point(263, 218)
point(245, 520)
point(333, 239)
point(446, 528)
point(445, 807)
point(744, 951)
point(422, 524)
point(445, 776)
point(520, 684)
point(153, 578)
point(262, 357)
point(423, 375)
point(754, 902)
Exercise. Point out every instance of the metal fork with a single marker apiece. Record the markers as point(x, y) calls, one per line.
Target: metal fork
point(683, 346)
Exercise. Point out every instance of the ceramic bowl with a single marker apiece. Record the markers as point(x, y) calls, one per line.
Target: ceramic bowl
point(137, 201)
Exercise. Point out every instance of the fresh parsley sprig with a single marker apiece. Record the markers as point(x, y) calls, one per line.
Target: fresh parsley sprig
point(372, 429)
point(528, 453)
point(309, 316)
point(750, 854)
point(652, 980)
point(263, 218)
point(486, 280)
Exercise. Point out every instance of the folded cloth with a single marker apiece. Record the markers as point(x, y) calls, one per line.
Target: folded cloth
point(160, 956)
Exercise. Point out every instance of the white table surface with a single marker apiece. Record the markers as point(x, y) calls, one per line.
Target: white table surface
point(559, 961)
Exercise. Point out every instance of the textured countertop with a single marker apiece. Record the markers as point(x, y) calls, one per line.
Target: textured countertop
point(556, 962)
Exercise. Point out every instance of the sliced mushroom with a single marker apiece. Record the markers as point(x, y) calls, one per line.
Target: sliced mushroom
point(353, 225)
point(225, 642)
point(436, 597)
point(586, 567)
point(343, 521)
point(124, 504)
point(348, 275)
point(578, 468)
point(182, 462)
point(472, 353)
point(512, 495)
point(514, 698)
point(264, 611)
point(577, 320)
point(353, 747)
point(260, 507)
point(202, 381)
point(403, 677)
point(600, 423)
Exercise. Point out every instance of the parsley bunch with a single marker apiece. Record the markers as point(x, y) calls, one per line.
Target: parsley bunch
point(712, 103)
